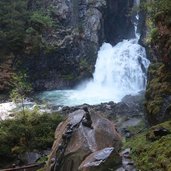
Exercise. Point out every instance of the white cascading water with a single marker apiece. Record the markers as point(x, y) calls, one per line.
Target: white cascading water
point(119, 71)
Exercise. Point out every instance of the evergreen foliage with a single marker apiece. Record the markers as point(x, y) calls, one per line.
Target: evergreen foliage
point(13, 17)
point(154, 7)
point(20, 20)
point(26, 133)
point(157, 11)
point(21, 89)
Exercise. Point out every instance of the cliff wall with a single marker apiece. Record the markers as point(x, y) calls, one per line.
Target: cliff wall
point(71, 45)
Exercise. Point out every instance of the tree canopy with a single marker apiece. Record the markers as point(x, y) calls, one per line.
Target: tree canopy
point(19, 19)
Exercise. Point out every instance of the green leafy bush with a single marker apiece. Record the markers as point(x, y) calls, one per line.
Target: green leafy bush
point(40, 20)
point(13, 16)
point(26, 133)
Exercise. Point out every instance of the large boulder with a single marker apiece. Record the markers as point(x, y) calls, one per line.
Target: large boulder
point(86, 144)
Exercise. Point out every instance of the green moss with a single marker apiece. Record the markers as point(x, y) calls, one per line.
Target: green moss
point(40, 20)
point(150, 26)
point(68, 77)
point(154, 33)
point(83, 63)
point(158, 88)
point(151, 155)
point(43, 159)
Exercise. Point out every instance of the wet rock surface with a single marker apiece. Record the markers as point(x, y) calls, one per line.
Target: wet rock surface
point(85, 144)
point(118, 24)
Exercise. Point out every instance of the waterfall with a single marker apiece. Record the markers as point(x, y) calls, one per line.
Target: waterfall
point(119, 70)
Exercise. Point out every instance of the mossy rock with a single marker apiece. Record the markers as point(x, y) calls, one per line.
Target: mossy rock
point(152, 155)
point(158, 94)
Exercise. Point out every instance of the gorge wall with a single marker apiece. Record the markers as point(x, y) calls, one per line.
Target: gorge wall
point(79, 29)
point(158, 93)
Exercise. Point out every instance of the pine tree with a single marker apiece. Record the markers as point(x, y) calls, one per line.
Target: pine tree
point(13, 17)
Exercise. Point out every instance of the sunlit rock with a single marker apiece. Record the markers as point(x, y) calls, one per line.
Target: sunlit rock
point(84, 142)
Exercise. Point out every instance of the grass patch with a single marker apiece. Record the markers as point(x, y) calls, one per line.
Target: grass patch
point(151, 155)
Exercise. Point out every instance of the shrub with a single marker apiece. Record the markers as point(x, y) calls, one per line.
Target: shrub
point(26, 133)
point(154, 33)
point(40, 20)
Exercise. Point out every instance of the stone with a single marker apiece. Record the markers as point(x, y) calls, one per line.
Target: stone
point(102, 142)
point(61, 10)
point(127, 162)
point(121, 169)
point(101, 160)
point(87, 118)
point(126, 133)
point(30, 157)
point(126, 153)
point(159, 132)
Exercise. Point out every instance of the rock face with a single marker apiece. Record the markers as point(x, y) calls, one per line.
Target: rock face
point(117, 21)
point(158, 94)
point(71, 45)
point(88, 149)
point(82, 27)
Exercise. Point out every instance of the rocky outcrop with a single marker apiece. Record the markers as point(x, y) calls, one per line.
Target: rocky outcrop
point(88, 148)
point(65, 54)
point(80, 27)
point(158, 94)
point(118, 24)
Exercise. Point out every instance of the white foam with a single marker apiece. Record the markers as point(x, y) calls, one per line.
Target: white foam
point(5, 109)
